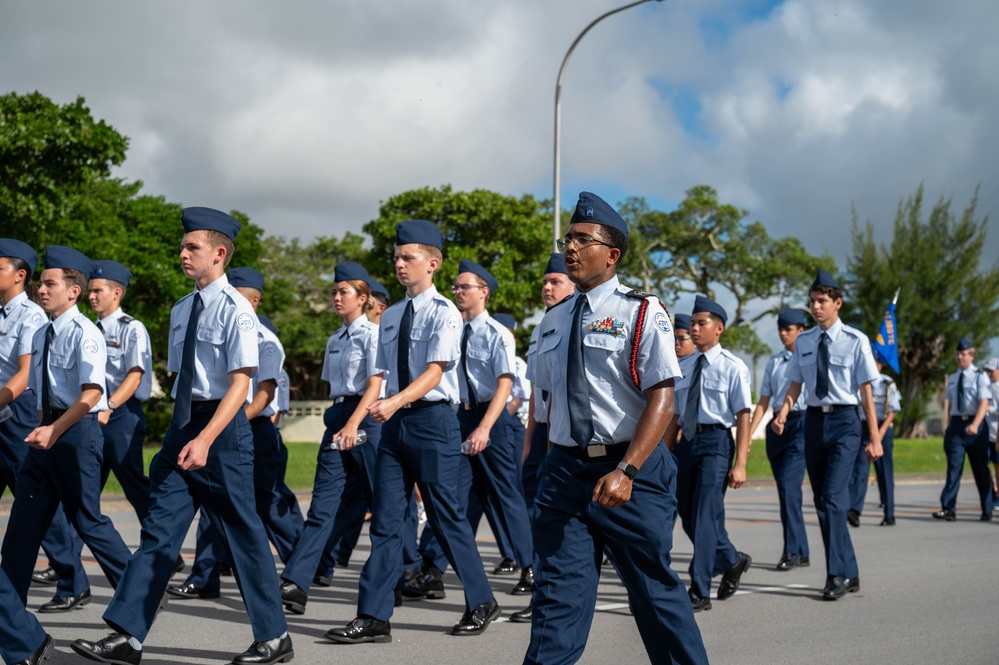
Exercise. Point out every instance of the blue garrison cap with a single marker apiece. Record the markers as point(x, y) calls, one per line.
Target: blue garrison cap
point(106, 269)
point(877, 355)
point(16, 249)
point(592, 209)
point(702, 304)
point(59, 256)
point(964, 344)
point(556, 264)
point(471, 266)
point(348, 270)
point(790, 316)
point(824, 279)
point(209, 219)
point(419, 231)
point(247, 278)
point(681, 322)
point(376, 287)
point(267, 323)
point(506, 320)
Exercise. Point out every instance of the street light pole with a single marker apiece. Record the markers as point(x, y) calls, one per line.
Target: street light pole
point(556, 222)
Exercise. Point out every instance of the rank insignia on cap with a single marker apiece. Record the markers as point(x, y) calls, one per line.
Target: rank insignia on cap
point(589, 212)
point(608, 325)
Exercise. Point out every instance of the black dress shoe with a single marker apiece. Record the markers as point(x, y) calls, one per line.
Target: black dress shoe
point(65, 603)
point(190, 591)
point(46, 577)
point(277, 650)
point(731, 577)
point(112, 649)
point(789, 561)
point(397, 592)
point(225, 570)
point(293, 598)
point(343, 562)
point(526, 584)
point(505, 567)
point(837, 587)
point(179, 565)
point(888, 521)
point(985, 517)
point(429, 585)
point(476, 621)
point(40, 654)
point(853, 518)
point(698, 603)
point(361, 629)
point(945, 514)
point(322, 580)
point(523, 616)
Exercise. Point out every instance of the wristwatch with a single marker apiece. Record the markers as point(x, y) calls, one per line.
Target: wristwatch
point(112, 406)
point(629, 470)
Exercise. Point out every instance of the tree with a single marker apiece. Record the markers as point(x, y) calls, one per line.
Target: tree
point(510, 237)
point(945, 293)
point(706, 244)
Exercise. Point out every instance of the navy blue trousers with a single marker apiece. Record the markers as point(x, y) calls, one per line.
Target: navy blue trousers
point(702, 479)
point(70, 472)
point(225, 488)
point(532, 465)
point(358, 496)
point(20, 632)
point(61, 543)
point(957, 444)
point(571, 532)
point(421, 446)
point(831, 444)
point(326, 521)
point(786, 453)
point(884, 471)
point(124, 435)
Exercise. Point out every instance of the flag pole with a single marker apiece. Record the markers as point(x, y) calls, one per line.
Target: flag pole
point(895, 299)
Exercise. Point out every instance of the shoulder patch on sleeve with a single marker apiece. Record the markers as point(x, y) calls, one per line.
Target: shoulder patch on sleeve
point(662, 321)
point(270, 348)
point(38, 318)
point(453, 322)
point(558, 303)
point(245, 321)
point(90, 346)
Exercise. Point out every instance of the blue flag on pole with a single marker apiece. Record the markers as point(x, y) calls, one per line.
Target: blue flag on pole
point(886, 343)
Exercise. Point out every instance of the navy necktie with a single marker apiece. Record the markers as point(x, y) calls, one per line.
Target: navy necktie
point(960, 393)
point(185, 380)
point(464, 366)
point(402, 363)
point(822, 367)
point(693, 407)
point(580, 413)
point(46, 382)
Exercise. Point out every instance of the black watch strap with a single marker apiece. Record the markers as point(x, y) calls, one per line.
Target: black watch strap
point(629, 470)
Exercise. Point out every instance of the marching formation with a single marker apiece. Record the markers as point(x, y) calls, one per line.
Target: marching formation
point(620, 420)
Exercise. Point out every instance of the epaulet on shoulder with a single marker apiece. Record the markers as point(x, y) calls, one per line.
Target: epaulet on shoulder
point(635, 293)
point(126, 319)
point(558, 303)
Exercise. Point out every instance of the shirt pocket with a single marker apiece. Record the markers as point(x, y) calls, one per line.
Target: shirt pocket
point(420, 340)
point(62, 360)
point(548, 356)
point(210, 339)
point(609, 343)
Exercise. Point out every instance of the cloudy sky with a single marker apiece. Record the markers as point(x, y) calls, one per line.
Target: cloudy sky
point(306, 114)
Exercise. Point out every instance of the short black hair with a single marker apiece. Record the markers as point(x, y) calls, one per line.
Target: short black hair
point(615, 238)
point(834, 292)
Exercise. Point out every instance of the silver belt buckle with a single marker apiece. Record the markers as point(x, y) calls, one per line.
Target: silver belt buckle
point(407, 406)
point(597, 450)
point(338, 400)
point(827, 409)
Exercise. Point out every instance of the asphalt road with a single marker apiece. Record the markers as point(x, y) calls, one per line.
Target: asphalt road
point(927, 595)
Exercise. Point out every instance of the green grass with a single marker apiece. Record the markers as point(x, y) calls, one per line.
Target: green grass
point(911, 456)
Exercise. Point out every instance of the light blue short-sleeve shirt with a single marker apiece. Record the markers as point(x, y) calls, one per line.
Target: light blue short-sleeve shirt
point(887, 399)
point(775, 382)
point(977, 387)
point(271, 365)
point(18, 322)
point(851, 364)
point(128, 347)
point(490, 356)
point(724, 387)
point(77, 357)
point(351, 353)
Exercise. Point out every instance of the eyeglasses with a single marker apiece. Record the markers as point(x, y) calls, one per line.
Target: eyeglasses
point(581, 242)
point(456, 288)
point(679, 339)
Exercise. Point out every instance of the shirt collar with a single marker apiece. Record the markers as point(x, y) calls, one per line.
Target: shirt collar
point(477, 323)
point(359, 322)
point(210, 292)
point(785, 354)
point(113, 316)
point(421, 299)
point(712, 354)
point(834, 330)
point(598, 294)
point(14, 302)
point(60, 323)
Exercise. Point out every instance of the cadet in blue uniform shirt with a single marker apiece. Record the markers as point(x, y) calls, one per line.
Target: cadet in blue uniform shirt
point(64, 463)
point(555, 287)
point(967, 404)
point(22, 639)
point(206, 458)
point(418, 353)
point(681, 329)
point(607, 481)
point(712, 397)
point(835, 362)
point(130, 381)
point(887, 402)
point(349, 367)
point(786, 452)
point(20, 317)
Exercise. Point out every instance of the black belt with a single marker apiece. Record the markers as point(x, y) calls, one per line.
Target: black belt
point(478, 407)
point(963, 419)
point(830, 408)
point(709, 427)
point(347, 399)
point(205, 406)
point(421, 404)
point(791, 415)
point(596, 451)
